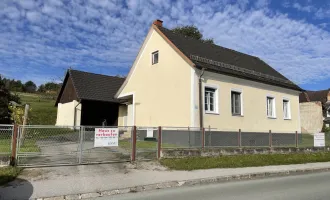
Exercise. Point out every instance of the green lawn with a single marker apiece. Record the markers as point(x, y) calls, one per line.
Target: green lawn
point(43, 108)
point(236, 161)
point(8, 174)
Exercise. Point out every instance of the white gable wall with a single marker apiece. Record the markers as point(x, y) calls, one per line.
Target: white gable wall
point(161, 91)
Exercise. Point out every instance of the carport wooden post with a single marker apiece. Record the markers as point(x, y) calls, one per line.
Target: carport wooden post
point(133, 144)
point(13, 148)
point(159, 146)
point(270, 138)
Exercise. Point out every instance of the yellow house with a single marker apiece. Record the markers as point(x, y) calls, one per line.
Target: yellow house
point(179, 81)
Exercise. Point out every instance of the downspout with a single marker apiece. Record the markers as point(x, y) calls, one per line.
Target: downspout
point(75, 113)
point(201, 116)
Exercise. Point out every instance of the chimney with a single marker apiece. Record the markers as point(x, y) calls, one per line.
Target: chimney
point(158, 22)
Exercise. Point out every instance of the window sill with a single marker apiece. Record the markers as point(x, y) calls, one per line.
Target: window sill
point(287, 118)
point(271, 117)
point(212, 113)
point(237, 115)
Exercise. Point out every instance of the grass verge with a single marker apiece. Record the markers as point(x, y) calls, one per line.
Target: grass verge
point(236, 161)
point(8, 174)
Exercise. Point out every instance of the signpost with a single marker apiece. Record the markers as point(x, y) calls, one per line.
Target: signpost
point(319, 140)
point(106, 137)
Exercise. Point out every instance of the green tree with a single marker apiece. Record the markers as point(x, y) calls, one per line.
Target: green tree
point(41, 88)
point(4, 103)
point(30, 86)
point(52, 86)
point(193, 32)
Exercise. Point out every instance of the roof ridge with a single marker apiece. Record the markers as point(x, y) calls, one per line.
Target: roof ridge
point(207, 43)
point(96, 73)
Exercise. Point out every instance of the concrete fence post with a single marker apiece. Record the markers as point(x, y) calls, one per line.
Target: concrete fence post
point(159, 146)
point(14, 146)
point(270, 139)
point(133, 144)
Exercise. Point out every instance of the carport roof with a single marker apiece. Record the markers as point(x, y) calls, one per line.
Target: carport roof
point(90, 86)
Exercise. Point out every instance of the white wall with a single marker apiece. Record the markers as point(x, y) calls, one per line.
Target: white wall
point(66, 112)
point(311, 117)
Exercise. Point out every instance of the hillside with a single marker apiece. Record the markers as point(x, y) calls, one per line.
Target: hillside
point(43, 110)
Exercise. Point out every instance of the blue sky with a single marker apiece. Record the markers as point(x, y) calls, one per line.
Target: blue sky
point(40, 39)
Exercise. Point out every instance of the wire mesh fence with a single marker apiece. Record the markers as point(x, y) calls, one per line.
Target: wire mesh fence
point(48, 145)
point(146, 143)
point(54, 145)
point(182, 137)
point(6, 134)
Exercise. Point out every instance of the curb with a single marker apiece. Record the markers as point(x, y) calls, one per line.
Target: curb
point(175, 184)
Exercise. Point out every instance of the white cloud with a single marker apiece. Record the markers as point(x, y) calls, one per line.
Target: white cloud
point(33, 16)
point(104, 36)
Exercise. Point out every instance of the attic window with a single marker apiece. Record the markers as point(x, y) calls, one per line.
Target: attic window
point(155, 57)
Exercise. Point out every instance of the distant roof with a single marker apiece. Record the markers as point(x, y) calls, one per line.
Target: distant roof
point(223, 60)
point(96, 87)
point(308, 96)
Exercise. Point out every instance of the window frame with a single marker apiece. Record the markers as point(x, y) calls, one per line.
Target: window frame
point(289, 108)
point(273, 106)
point(153, 58)
point(216, 99)
point(240, 91)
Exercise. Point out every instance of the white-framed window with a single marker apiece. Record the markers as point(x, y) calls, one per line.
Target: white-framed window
point(271, 110)
point(155, 57)
point(236, 102)
point(286, 109)
point(210, 99)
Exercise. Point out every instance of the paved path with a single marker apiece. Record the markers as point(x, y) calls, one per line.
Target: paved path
point(65, 180)
point(303, 187)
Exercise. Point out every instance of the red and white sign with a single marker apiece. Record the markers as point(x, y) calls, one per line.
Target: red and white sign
point(106, 137)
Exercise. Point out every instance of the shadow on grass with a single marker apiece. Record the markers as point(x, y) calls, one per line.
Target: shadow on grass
point(12, 187)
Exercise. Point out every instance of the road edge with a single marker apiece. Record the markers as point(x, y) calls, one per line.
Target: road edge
point(191, 182)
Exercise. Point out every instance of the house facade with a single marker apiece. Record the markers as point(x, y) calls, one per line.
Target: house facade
point(87, 99)
point(315, 110)
point(179, 81)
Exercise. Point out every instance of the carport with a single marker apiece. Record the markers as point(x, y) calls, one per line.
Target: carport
point(88, 99)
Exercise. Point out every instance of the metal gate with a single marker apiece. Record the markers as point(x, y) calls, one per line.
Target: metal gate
point(53, 145)
point(6, 136)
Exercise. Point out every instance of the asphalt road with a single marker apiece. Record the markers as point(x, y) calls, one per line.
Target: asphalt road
point(304, 187)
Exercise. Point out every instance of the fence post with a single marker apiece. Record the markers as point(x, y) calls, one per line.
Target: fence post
point(296, 139)
point(133, 144)
point(210, 138)
point(203, 138)
point(270, 138)
point(14, 146)
point(189, 136)
point(239, 138)
point(159, 148)
point(82, 133)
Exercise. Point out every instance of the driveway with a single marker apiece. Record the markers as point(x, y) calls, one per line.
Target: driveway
point(65, 149)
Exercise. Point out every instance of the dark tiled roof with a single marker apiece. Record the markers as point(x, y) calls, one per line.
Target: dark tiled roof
point(190, 46)
point(96, 87)
point(321, 95)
